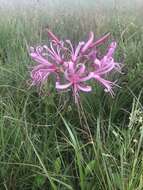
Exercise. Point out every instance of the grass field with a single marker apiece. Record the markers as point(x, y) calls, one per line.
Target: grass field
point(45, 142)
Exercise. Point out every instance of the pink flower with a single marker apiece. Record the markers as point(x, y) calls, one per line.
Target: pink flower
point(76, 76)
point(73, 66)
point(43, 69)
point(40, 73)
point(105, 66)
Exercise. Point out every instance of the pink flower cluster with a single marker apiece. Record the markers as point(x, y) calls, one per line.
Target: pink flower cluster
point(73, 66)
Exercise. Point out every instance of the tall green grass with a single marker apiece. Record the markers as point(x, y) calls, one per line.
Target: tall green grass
point(46, 142)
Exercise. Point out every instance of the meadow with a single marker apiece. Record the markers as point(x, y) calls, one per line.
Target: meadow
point(45, 142)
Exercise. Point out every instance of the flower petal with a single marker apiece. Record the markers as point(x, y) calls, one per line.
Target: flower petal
point(53, 37)
point(39, 59)
point(111, 49)
point(89, 42)
point(62, 86)
point(77, 51)
point(104, 66)
point(100, 41)
point(71, 67)
point(84, 88)
point(90, 76)
point(39, 76)
point(107, 84)
point(71, 46)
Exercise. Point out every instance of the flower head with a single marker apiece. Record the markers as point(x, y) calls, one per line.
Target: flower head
point(104, 66)
point(74, 66)
point(75, 76)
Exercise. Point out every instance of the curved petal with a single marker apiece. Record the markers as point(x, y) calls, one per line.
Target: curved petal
point(49, 50)
point(71, 46)
point(100, 41)
point(39, 59)
point(108, 85)
point(89, 42)
point(39, 50)
point(71, 67)
point(39, 76)
point(84, 88)
point(77, 51)
point(45, 76)
point(90, 76)
point(62, 86)
point(55, 54)
point(111, 49)
point(51, 68)
point(53, 37)
point(104, 66)
point(104, 70)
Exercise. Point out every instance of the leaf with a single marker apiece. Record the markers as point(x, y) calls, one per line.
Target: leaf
point(39, 180)
point(90, 167)
point(57, 165)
